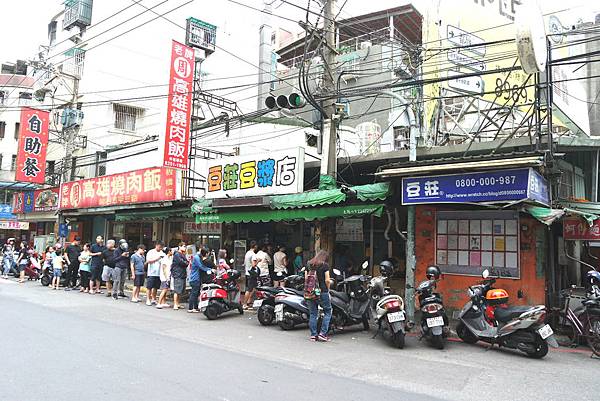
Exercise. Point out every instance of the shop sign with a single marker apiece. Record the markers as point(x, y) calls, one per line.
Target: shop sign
point(487, 186)
point(177, 135)
point(18, 202)
point(349, 230)
point(45, 200)
point(32, 147)
point(139, 186)
point(575, 229)
point(6, 212)
point(14, 225)
point(28, 202)
point(274, 173)
point(189, 227)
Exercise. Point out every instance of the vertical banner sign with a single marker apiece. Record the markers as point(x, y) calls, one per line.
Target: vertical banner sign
point(177, 135)
point(33, 144)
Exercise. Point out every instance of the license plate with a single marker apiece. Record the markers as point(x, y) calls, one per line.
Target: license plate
point(257, 303)
point(279, 313)
point(545, 331)
point(435, 321)
point(395, 317)
point(203, 304)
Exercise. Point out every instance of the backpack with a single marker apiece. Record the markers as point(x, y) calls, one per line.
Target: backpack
point(311, 285)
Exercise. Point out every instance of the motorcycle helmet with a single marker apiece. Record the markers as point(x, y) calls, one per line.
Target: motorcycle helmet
point(592, 277)
point(433, 273)
point(234, 275)
point(497, 296)
point(123, 245)
point(386, 268)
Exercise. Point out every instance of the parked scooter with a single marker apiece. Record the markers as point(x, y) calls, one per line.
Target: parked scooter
point(222, 295)
point(434, 322)
point(351, 306)
point(516, 327)
point(265, 298)
point(290, 308)
point(48, 273)
point(390, 316)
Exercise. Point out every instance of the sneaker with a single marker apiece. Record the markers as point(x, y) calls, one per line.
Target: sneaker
point(135, 300)
point(115, 297)
point(122, 295)
point(312, 338)
point(148, 303)
point(99, 292)
point(67, 289)
point(108, 295)
point(159, 306)
point(154, 302)
point(323, 337)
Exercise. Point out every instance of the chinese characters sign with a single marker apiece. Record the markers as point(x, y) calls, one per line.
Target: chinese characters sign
point(138, 186)
point(189, 227)
point(6, 212)
point(280, 172)
point(578, 229)
point(488, 186)
point(14, 225)
point(41, 200)
point(179, 109)
point(33, 144)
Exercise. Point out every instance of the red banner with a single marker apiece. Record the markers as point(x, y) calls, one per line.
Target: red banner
point(140, 186)
point(177, 135)
point(18, 205)
point(575, 229)
point(33, 144)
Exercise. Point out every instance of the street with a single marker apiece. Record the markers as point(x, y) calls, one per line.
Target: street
point(94, 348)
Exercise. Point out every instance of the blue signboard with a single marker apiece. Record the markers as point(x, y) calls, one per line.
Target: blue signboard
point(63, 230)
point(6, 212)
point(28, 201)
point(487, 186)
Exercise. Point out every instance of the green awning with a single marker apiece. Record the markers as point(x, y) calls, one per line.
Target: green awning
point(370, 192)
point(308, 214)
point(544, 214)
point(147, 215)
point(588, 210)
point(202, 206)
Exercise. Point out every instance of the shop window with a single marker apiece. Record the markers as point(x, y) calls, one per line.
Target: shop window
point(469, 242)
point(17, 130)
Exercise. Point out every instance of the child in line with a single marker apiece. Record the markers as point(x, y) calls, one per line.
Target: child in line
point(57, 264)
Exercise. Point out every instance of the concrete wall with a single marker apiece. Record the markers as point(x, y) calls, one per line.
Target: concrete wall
point(454, 287)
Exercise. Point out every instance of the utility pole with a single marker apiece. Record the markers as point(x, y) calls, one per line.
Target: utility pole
point(325, 230)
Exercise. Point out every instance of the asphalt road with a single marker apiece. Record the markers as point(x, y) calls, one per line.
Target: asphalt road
point(66, 346)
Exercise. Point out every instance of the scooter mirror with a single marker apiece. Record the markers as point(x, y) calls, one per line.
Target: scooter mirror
point(365, 265)
point(337, 272)
point(485, 273)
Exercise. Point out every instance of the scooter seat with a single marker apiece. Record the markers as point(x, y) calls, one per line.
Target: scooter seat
point(341, 295)
point(510, 313)
point(292, 291)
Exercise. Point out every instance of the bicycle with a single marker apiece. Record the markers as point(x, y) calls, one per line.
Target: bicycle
point(582, 324)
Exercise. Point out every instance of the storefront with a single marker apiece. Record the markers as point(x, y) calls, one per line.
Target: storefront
point(470, 222)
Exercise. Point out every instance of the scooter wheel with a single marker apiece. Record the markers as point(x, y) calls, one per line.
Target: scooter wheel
point(365, 323)
point(465, 334)
point(211, 313)
point(540, 349)
point(398, 340)
point(240, 310)
point(265, 315)
point(286, 324)
point(45, 281)
point(437, 342)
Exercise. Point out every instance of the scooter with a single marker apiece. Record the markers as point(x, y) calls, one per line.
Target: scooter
point(48, 273)
point(351, 306)
point(516, 327)
point(222, 295)
point(434, 321)
point(290, 308)
point(265, 298)
point(389, 309)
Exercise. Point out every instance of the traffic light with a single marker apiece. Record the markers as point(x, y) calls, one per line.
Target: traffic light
point(292, 101)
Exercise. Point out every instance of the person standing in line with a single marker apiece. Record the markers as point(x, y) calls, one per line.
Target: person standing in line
point(84, 268)
point(178, 274)
point(49, 255)
point(153, 281)
point(108, 257)
point(298, 260)
point(137, 272)
point(251, 274)
point(96, 265)
point(72, 253)
point(22, 260)
point(263, 261)
point(165, 278)
point(280, 262)
point(318, 271)
point(122, 264)
point(202, 266)
point(8, 256)
point(222, 261)
point(57, 266)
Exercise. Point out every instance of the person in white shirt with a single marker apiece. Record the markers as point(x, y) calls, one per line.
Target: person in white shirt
point(279, 267)
point(263, 260)
point(165, 279)
point(153, 259)
point(251, 277)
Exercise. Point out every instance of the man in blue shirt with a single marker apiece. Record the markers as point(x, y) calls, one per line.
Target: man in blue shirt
point(199, 266)
point(137, 272)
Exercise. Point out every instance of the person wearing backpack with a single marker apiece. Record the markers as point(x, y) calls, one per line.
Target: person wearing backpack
point(316, 291)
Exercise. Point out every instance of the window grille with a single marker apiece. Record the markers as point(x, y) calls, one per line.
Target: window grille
point(126, 117)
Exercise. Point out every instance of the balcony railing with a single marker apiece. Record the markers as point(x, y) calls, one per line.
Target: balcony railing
point(77, 13)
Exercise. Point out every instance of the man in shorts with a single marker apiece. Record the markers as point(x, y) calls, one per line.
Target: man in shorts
point(108, 257)
point(137, 272)
point(96, 264)
point(179, 274)
point(251, 276)
point(153, 259)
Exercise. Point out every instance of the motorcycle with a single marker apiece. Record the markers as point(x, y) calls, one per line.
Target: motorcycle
point(486, 317)
point(265, 298)
point(352, 305)
point(221, 295)
point(389, 308)
point(434, 321)
point(290, 308)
